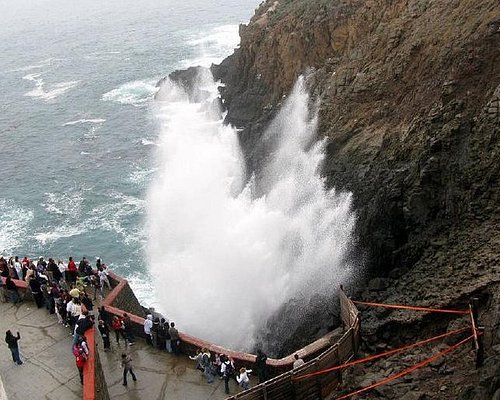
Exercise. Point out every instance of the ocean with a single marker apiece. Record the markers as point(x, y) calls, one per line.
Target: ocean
point(77, 131)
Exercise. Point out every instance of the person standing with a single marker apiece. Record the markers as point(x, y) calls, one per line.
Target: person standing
point(104, 331)
point(174, 339)
point(243, 379)
point(11, 341)
point(227, 370)
point(127, 326)
point(127, 367)
point(12, 290)
point(261, 366)
point(148, 324)
point(298, 361)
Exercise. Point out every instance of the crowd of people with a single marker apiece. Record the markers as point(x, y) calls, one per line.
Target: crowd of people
point(60, 288)
point(63, 290)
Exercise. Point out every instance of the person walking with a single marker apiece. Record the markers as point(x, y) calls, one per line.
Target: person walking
point(119, 329)
point(228, 370)
point(127, 367)
point(11, 341)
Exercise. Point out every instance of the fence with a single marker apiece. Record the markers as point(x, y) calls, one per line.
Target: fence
point(287, 387)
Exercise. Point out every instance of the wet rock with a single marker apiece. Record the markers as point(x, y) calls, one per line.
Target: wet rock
point(377, 284)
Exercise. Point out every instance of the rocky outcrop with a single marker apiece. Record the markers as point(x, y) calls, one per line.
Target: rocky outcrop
point(410, 106)
point(409, 101)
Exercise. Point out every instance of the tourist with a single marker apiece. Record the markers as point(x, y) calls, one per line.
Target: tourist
point(11, 341)
point(148, 324)
point(103, 277)
point(72, 271)
point(62, 269)
point(206, 363)
point(227, 370)
point(155, 330)
point(168, 339)
point(119, 329)
point(243, 379)
point(162, 334)
point(127, 327)
point(19, 268)
point(41, 265)
point(127, 367)
point(104, 315)
point(98, 265)
point(298, 361)
point(197, 358)
point(104, 331)
point(12, 291)
point(175, 340)
point(81, 352)
point(95, 282)
point(83, 324)
point(261, 366)
point(82, 266)
point(3, 296)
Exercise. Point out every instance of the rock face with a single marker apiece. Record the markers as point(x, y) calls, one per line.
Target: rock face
point(410, 103)
point(410, 106)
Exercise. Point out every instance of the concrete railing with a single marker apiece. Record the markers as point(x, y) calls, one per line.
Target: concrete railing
point(94, 384)
point(191, 343)
point(320, 386)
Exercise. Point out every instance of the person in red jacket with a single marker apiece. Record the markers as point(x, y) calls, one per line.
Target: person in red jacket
point(72, 272)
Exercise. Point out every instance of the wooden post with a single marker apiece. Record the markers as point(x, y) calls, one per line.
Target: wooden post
point(480, 349)
point(474, 307)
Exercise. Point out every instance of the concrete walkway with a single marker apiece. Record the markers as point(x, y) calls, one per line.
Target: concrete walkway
point(49, 370)
point(160, 375)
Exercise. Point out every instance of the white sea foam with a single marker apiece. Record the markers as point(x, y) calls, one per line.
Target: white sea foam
point(39, 91)
point(212, 46)
point(112, 215)
point(136, 93)
point(14, 224)
point(68, 203)
point(247, 251)
point(85, 121)
point(59, 232)
point(40, 65)
point(141, 176)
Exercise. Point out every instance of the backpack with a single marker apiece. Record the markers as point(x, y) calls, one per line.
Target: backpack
point(229, 369)
point(78, 352)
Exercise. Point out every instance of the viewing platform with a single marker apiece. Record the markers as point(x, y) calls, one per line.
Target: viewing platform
point(49, 369)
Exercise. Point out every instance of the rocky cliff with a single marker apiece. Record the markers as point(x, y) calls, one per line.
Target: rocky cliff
point(410, 105)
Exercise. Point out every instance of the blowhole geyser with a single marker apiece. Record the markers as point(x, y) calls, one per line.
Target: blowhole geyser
point(223, 258)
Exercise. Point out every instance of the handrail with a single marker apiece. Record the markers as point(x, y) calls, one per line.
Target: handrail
point(89, 387)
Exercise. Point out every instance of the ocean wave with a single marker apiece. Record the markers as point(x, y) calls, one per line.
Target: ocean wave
point(141, 176)
point(40, 65)
point(14, 222)
point(67, 203)
point(114, 215)
point(58, 233)
point(135, 93)
point(39, 92)
point(85, 121)
point(148, 142)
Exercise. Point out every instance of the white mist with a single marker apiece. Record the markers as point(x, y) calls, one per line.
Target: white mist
point(224, 260)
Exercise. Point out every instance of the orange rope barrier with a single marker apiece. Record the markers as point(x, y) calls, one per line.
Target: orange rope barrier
point(400, 306)
point(408, 370)
point(474, 330)
point(380, 355)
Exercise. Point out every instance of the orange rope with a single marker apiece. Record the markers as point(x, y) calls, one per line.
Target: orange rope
point(380, 355)
point(408, 370)
point(400, 306)
point(474, 330)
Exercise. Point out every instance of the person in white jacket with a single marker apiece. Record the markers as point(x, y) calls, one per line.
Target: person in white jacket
point(148, 324)
point(243, 379)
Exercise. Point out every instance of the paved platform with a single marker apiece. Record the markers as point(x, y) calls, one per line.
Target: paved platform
point(49, 370)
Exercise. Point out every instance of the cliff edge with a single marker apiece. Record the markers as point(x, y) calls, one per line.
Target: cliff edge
point(410, 106)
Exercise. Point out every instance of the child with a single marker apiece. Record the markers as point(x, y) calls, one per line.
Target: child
point(243, 378)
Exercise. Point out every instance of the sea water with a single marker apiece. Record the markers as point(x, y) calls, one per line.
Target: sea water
point(77, 134)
